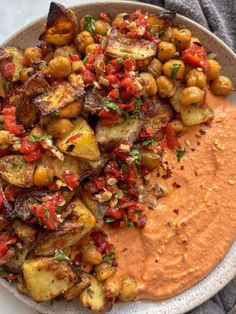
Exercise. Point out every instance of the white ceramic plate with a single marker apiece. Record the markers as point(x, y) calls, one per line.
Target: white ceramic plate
point(226, 270)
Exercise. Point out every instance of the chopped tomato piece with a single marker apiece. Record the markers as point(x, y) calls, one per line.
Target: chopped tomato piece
point(88, 76)
point(108, 116)
point(10, 121)
point(145, 133)
point(113, 94)
point(28, 147)
point(129, 65)
point(36, 155)
point(104, 17)
point(71, 179)
point(8, 69)
point(3, 249)
point(11, 192)
point(115, 213)
point(74, 137)
point(112, 78)
point(171, 138)
point(196, 56)
point(74, 57)
point(1, 200)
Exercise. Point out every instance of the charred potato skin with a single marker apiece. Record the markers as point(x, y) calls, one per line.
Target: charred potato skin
point(61, 26)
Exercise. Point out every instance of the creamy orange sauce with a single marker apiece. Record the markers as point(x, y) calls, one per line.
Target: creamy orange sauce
point(175, 251)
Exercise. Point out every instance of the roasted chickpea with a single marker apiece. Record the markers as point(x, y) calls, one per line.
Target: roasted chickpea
point(166, 51)
point(25, 74)
point(141, 65)
point(222, 86)
point(83, 40)
point(155, 68)
point(43, 176)
point(196, 77)
point(112, 286)
point(214, 70)
point(181, 38)
point(174, 69)
point(33, 54)
point(101, 27)
point(59, 127)
point(76, 80)
point(38, 131)
point(118, 19)
point(128, 289)
point(78, 66)
point(91, 255)
point(149, 83)
point(191, 95)
point(65, 51)
point(104, 271)
point(59, 67)
point(5, 139)
point(177, 126)
point(166, 36)
point(91, 49)
point(165, 86)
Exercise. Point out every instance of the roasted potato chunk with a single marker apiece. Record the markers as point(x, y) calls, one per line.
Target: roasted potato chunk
point(75, 291)
point(16, 171)
point(119, 45)
point(80, 142)
point(47, 277)
point(61, 25)
point(109, 136)
point(93, 102)
point(59, 98)
point(93, 297)
point(74, 229)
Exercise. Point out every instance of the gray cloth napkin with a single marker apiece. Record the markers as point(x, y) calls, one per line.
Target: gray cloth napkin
point(219, 17)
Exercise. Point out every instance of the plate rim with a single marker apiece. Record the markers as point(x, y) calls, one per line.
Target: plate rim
point(194, 303)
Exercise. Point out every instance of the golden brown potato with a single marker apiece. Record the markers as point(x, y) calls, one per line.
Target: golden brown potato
point(76, 80)
point(128, 289)
point(191, 95)
point(142, 65)
point(61, 25)
point(196, 78)
point(43, 176)
point(101, 27)
point(33, 54)
point(214, 70)
point(166, 51)
point(165, 86)
point(83, 40)
point(17, 57)
point(76, 290)
point(222, 86)
point(177, 126)
point(23, 230)
point(150, 160)
point(58, 127)
point(155, 68)
point(59, 67)
point(174, 69)
point(181, 38)
point(78, 67)
point(112, 287)
point(104, 271)
point(90, 49)
point(90, 254)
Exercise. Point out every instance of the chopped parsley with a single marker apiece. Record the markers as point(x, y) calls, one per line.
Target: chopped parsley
point(109, 258)
point(109, 220)
point(138, 106)
point(60, 255)
point(175, 69)
point(89, 24)
point(135, 154)
point(5, 85)
point(147, 142)
point(180, 153)
point(85, 59)
point(36, 138)
point(54, 112)
point(120, 60)
point(124, 168)
point(46, 211)
point(128, 223)
point(112, 106)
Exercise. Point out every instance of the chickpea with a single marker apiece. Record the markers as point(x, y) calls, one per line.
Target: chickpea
point(90, 49)
point(5, 139)
point(101, 27)
point(25, 74)
point(91, 255)
point(174, 69)
point(191, 95)
point(181, 38)
point(141, 65)
point(118, 19)
point(196, 77)
point(214, 70)
point(83, 40)
point(33, 54)
point(128, 289)
point(76, 80)
point(65, 51)
point(165, 86)
point(43, 176)
point(166, 51)
point(59, 67)
point(104, 271)
point(178, 126)
point(37, 131)
point(112, 287)
point(166, 36)
point(149, 82)
point(155, 68)
point(78, 66)
point(222, 86)
point(59, 127)
point(71, 111)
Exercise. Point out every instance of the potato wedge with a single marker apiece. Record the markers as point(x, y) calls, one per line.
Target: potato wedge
point(119, 45)
point(109, 136)
point(80, 142)
point(16, 171)
point(61, 25)
point(191, 115)
point(47, 277)
point(94, 297)
point(75, 291)
point(58, 98)
point(74, 229)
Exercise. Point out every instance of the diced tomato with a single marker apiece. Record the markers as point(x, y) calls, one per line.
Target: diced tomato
point(134, 204)
point(3, 249)
point(196, 56)
point(132, 176)
point(112, 78)
point(8, 69)
point(36, 155)
point(74, 57)
point(171, 138)
point(28, 147)
point(113, 169)
point(1, 200)
point(99, 183)
point(108, 116)
point(110, 69)
point(98, 50)
point(53, 186)
point(146, 133)
point(116, 64)
point(129, 65)
point(88, 77)
point(120, 154)
point(104, 17)
point(115, 213)
point(10, 121)
point(74, 137)
point(11, 192)
point(144, 172)
point(71, 179)
point(25, 62)
point(140, 221)
point(60, 243)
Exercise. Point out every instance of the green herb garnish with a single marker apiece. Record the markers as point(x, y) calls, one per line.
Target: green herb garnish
point(46, 211)
point(110, 257)
point(89, 24)
point(5, 85)
point(128, 223)
point(120, 60)
point(112, 106)
point(36, 138)
point(180, 153)
point(147, 142)
point(124, 168)
point(85, 59)
point(54, 112)
point(135, 154)
point(109, 220)
point(175, 69)
point(60, 255)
